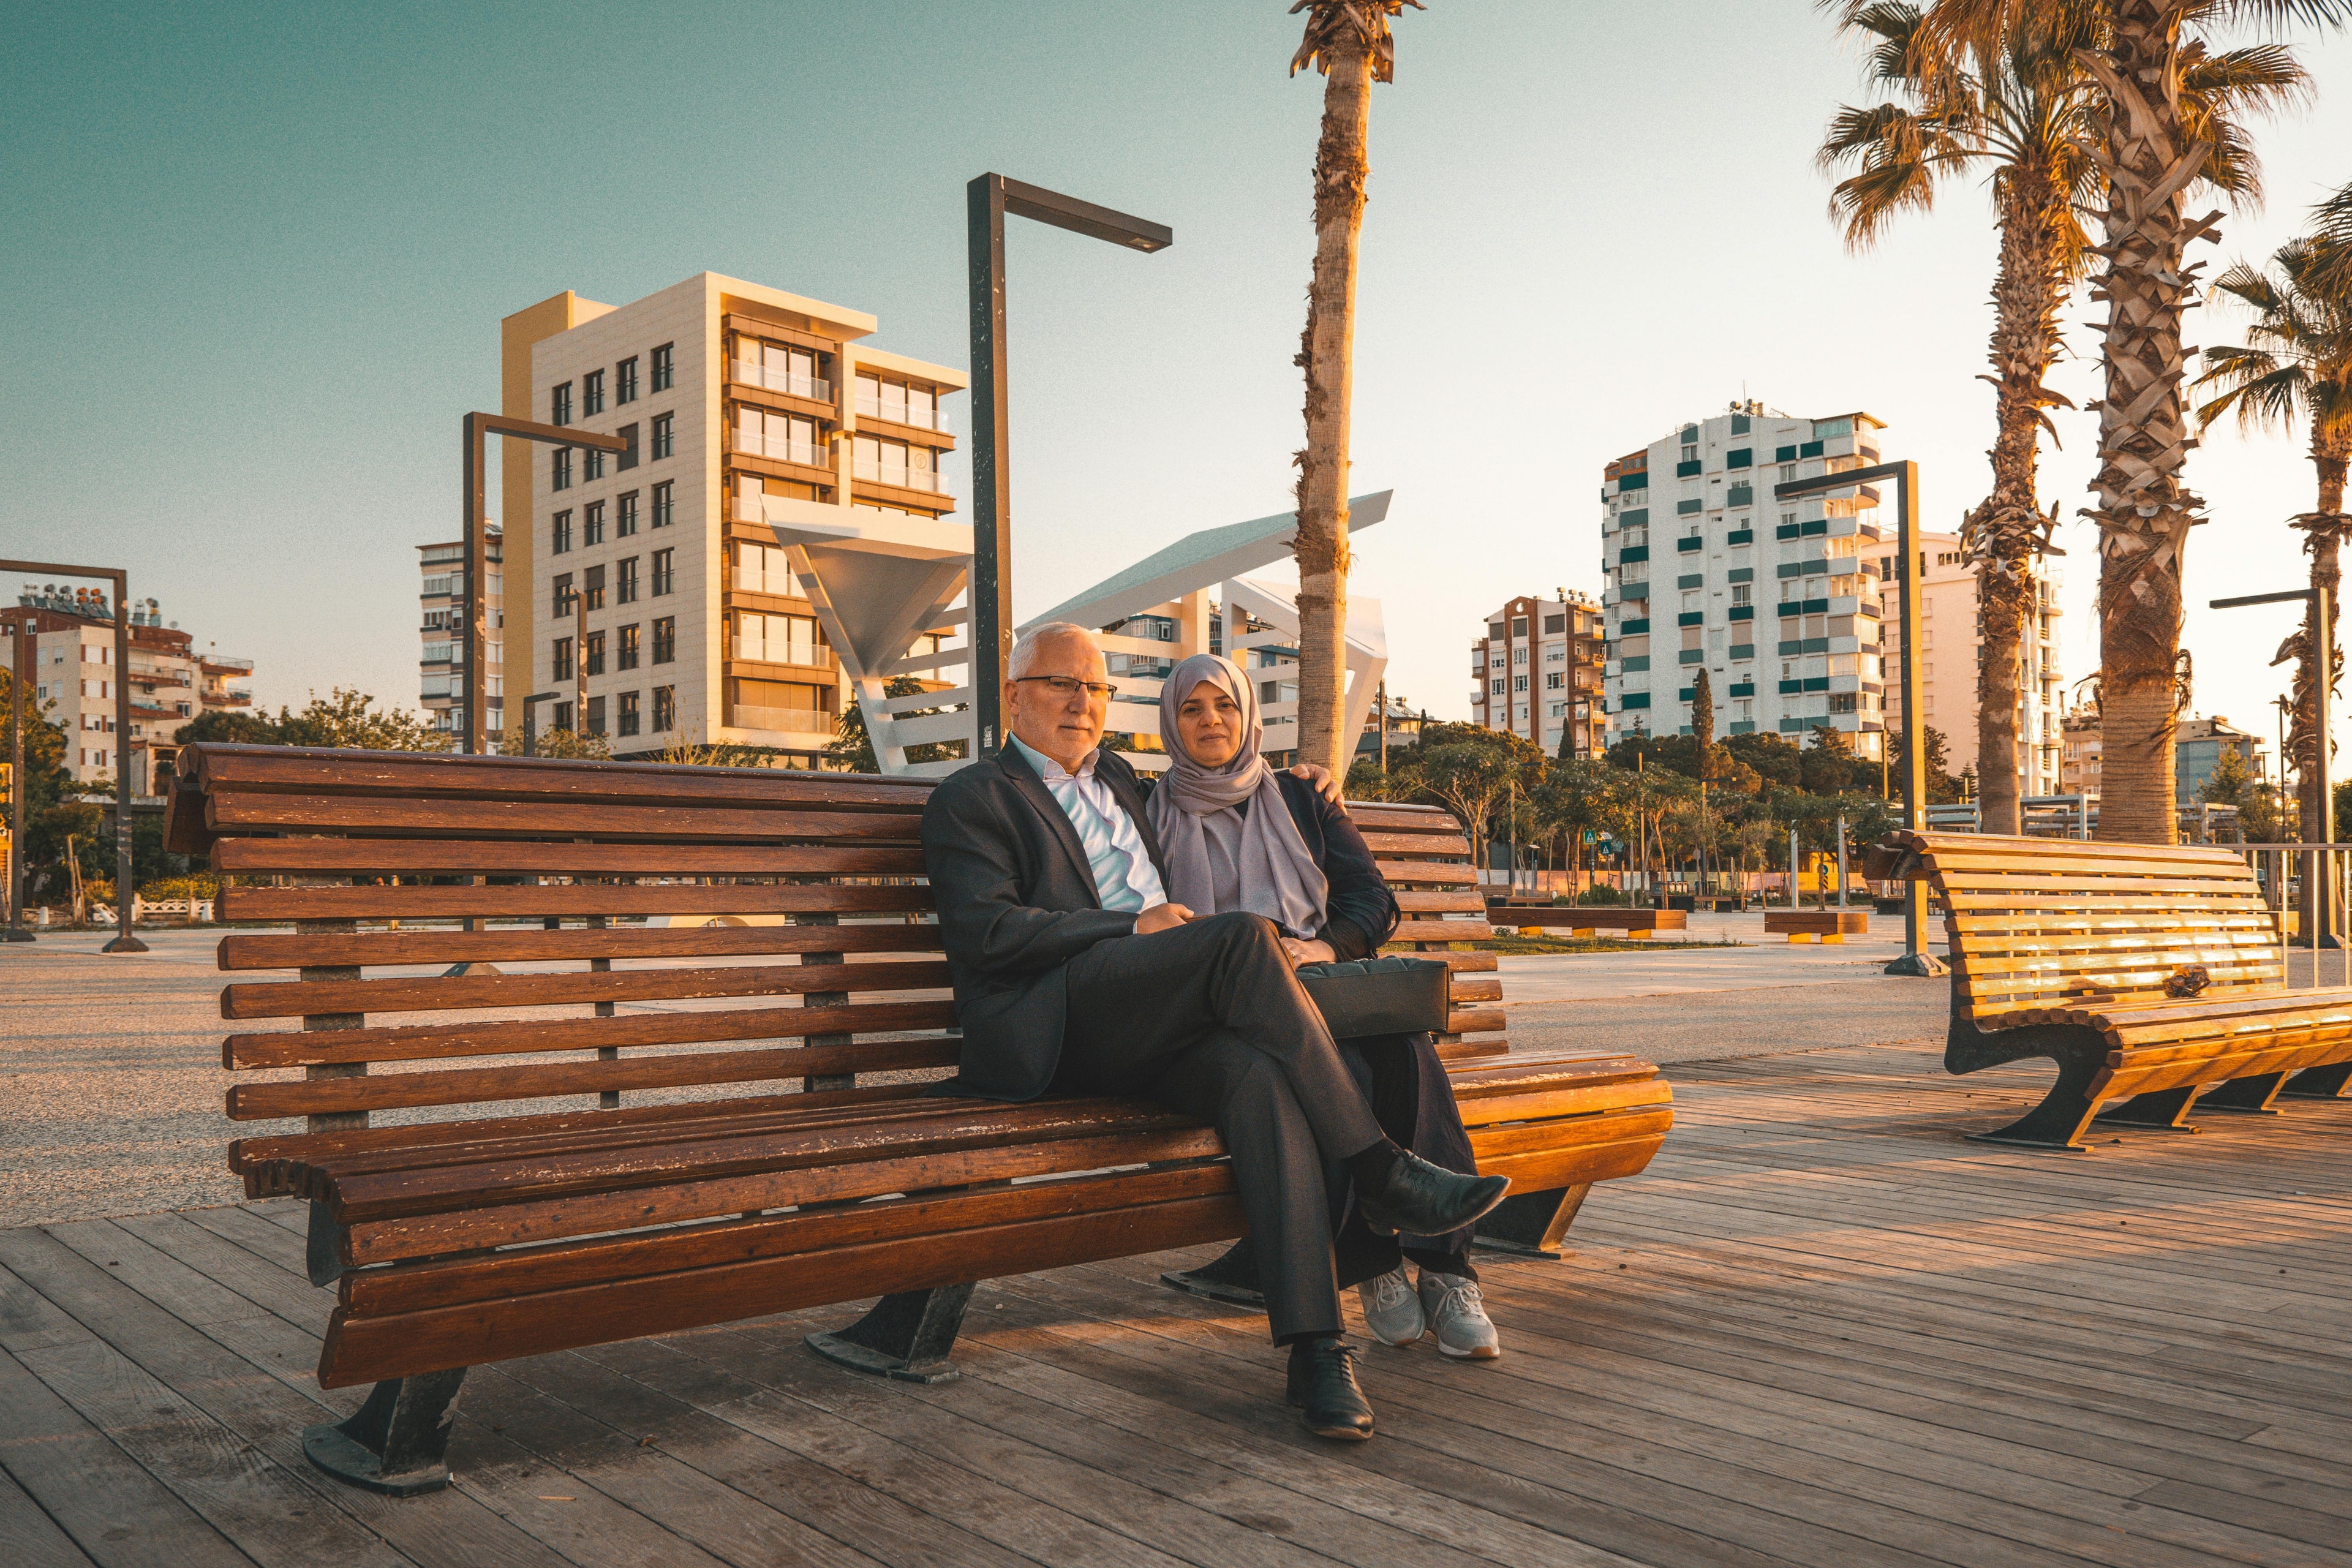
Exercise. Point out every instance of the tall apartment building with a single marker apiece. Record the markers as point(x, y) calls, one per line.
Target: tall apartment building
point(1536, 673)
point(657, 599)
point(1779, 604)
point(1951, 630)
point(441, 628)
point(73, 675)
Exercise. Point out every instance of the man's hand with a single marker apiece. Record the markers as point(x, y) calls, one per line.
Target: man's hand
point(1302, 953)
point(1325, 784)
point(1162, 917)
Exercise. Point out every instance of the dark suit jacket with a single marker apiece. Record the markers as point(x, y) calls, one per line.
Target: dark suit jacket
point(1017, 901)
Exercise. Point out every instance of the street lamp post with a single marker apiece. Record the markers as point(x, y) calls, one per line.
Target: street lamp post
point(20, 659)
point(2319, 899)
point(123, 941)
point(987, 201)
point(1914, 961)
point(479, 427)
point(530, 716)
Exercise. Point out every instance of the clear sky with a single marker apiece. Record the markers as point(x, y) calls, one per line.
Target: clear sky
point(258, 256)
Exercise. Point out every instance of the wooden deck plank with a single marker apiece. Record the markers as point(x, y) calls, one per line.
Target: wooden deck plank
point(30, 1538)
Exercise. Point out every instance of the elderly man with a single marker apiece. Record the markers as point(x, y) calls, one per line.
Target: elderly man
point(1074, 974)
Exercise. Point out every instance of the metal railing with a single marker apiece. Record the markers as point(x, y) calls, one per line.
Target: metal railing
point(931, 418)
point(809, 656)
point(2308, 888)
point(785, 721)
point(925, 479)
point(781, 449)
point(814, 388)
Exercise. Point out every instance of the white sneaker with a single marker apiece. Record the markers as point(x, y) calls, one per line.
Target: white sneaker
point(1457, 1313)
point(1391, 1311)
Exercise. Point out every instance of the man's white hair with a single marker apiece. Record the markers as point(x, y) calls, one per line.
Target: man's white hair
point(1026, 652)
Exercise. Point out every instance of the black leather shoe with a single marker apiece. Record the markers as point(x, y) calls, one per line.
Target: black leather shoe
point(1422, 1199)
point(1323, 1387)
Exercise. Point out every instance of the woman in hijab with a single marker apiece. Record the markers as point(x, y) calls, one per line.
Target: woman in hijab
point(1237, 834)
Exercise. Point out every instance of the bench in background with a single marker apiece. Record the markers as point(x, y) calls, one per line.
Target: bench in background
point(1587, 921)
point(1816, 925)
point(2153, 975)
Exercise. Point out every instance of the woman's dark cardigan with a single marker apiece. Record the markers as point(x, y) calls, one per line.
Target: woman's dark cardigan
point(1362, 912)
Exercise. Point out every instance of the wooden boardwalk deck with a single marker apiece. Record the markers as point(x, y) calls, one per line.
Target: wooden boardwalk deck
point(1822, 1330)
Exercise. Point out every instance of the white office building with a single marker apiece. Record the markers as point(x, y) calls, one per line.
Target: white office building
point(1778, 603)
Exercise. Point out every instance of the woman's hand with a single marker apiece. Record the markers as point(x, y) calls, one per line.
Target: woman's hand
point(1302, 953)
point(1320, 777)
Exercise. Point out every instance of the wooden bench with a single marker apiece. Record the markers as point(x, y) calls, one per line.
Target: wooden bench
point(1816, 925)
point(1582, 920)
point(2084, 952)
point(699, 1122)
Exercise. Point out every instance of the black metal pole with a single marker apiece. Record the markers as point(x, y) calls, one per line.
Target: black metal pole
point(123, 893)
point(21, 661)
point(476, 730)
point(991, 524)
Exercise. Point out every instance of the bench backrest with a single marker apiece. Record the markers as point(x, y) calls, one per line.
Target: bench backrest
point(786, 939)
point(2037, 923)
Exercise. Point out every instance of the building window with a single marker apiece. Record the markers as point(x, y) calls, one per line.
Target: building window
point(625, 656)
point(665, 709)
point(595, 715)
point(665, 367)
point(563, 593)
point(592, 583)
point(629, 713)
point(664, 510)
point(664, 571)
point(1555, 681)
point(592, 651)
point(624, 523)
point(1518, 655)
point(665, 644)
point(562, 662)
point(625, 583)
point(591, 521)
point(559, 405)
point(629, 455)
point(624, 381)
point(558, 468)
point(594, 467)
point(1497, 685)
point(592, 393)
point(1743, 593)
point(1518, 683)
point(560, 535)
point(665, 434)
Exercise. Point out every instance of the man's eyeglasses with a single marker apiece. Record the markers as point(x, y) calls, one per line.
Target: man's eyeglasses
point(1067, 687)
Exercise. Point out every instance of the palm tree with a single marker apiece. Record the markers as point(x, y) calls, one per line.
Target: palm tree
point(2025, 106)
point(1348, 41)
point(2022, 99)
point(2297, 364)
point(2159, 142)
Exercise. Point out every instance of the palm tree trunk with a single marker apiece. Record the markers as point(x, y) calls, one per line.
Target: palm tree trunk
point(2004, 534)
point(2143, 513)
point(2329, 454)
point(1328, 354)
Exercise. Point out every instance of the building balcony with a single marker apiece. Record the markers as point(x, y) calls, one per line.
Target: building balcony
point(815, 388)
point(898, 477)
point(785, 721)
point(228, 698)
point(777, 449)
point(932, 418)
point(226, 666)
point(804, 655)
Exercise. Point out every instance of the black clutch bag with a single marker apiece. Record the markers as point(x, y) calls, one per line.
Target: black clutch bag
point(1378, 995)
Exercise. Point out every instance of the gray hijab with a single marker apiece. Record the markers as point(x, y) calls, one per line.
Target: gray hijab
point(1279, 879)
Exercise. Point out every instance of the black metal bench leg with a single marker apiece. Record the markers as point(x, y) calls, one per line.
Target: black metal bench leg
point(1532, 1223)
point(2160, 1110)
point(906, 1336)
point(2318, 1083)
point(2247, 1096)
point(323, 1249)
point(399, 1440)
point(2056, 1123)
point(1232, 1279)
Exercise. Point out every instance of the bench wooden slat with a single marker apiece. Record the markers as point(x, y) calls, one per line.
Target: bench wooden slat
point(1426, 873)
point(1416, 844)
point(1464, 901)
point(531, 944)
point(545, 1081)
point(570, 899)
point(295, 999)
point(520, 1036)
point(294, 769)
point(434, 857)
point(443, 819)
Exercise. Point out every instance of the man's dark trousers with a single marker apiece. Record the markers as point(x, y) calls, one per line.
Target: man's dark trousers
point(1209, 1019)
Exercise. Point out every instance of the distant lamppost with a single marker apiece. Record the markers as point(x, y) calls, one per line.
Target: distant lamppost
point(123, 941)
point(479, 427)
point(20, 658)
point(987, 200)
point(1915, 959)
point(2318, 898)
point(530, 720)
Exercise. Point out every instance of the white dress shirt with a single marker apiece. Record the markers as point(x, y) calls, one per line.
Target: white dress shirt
point(1125, 879)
